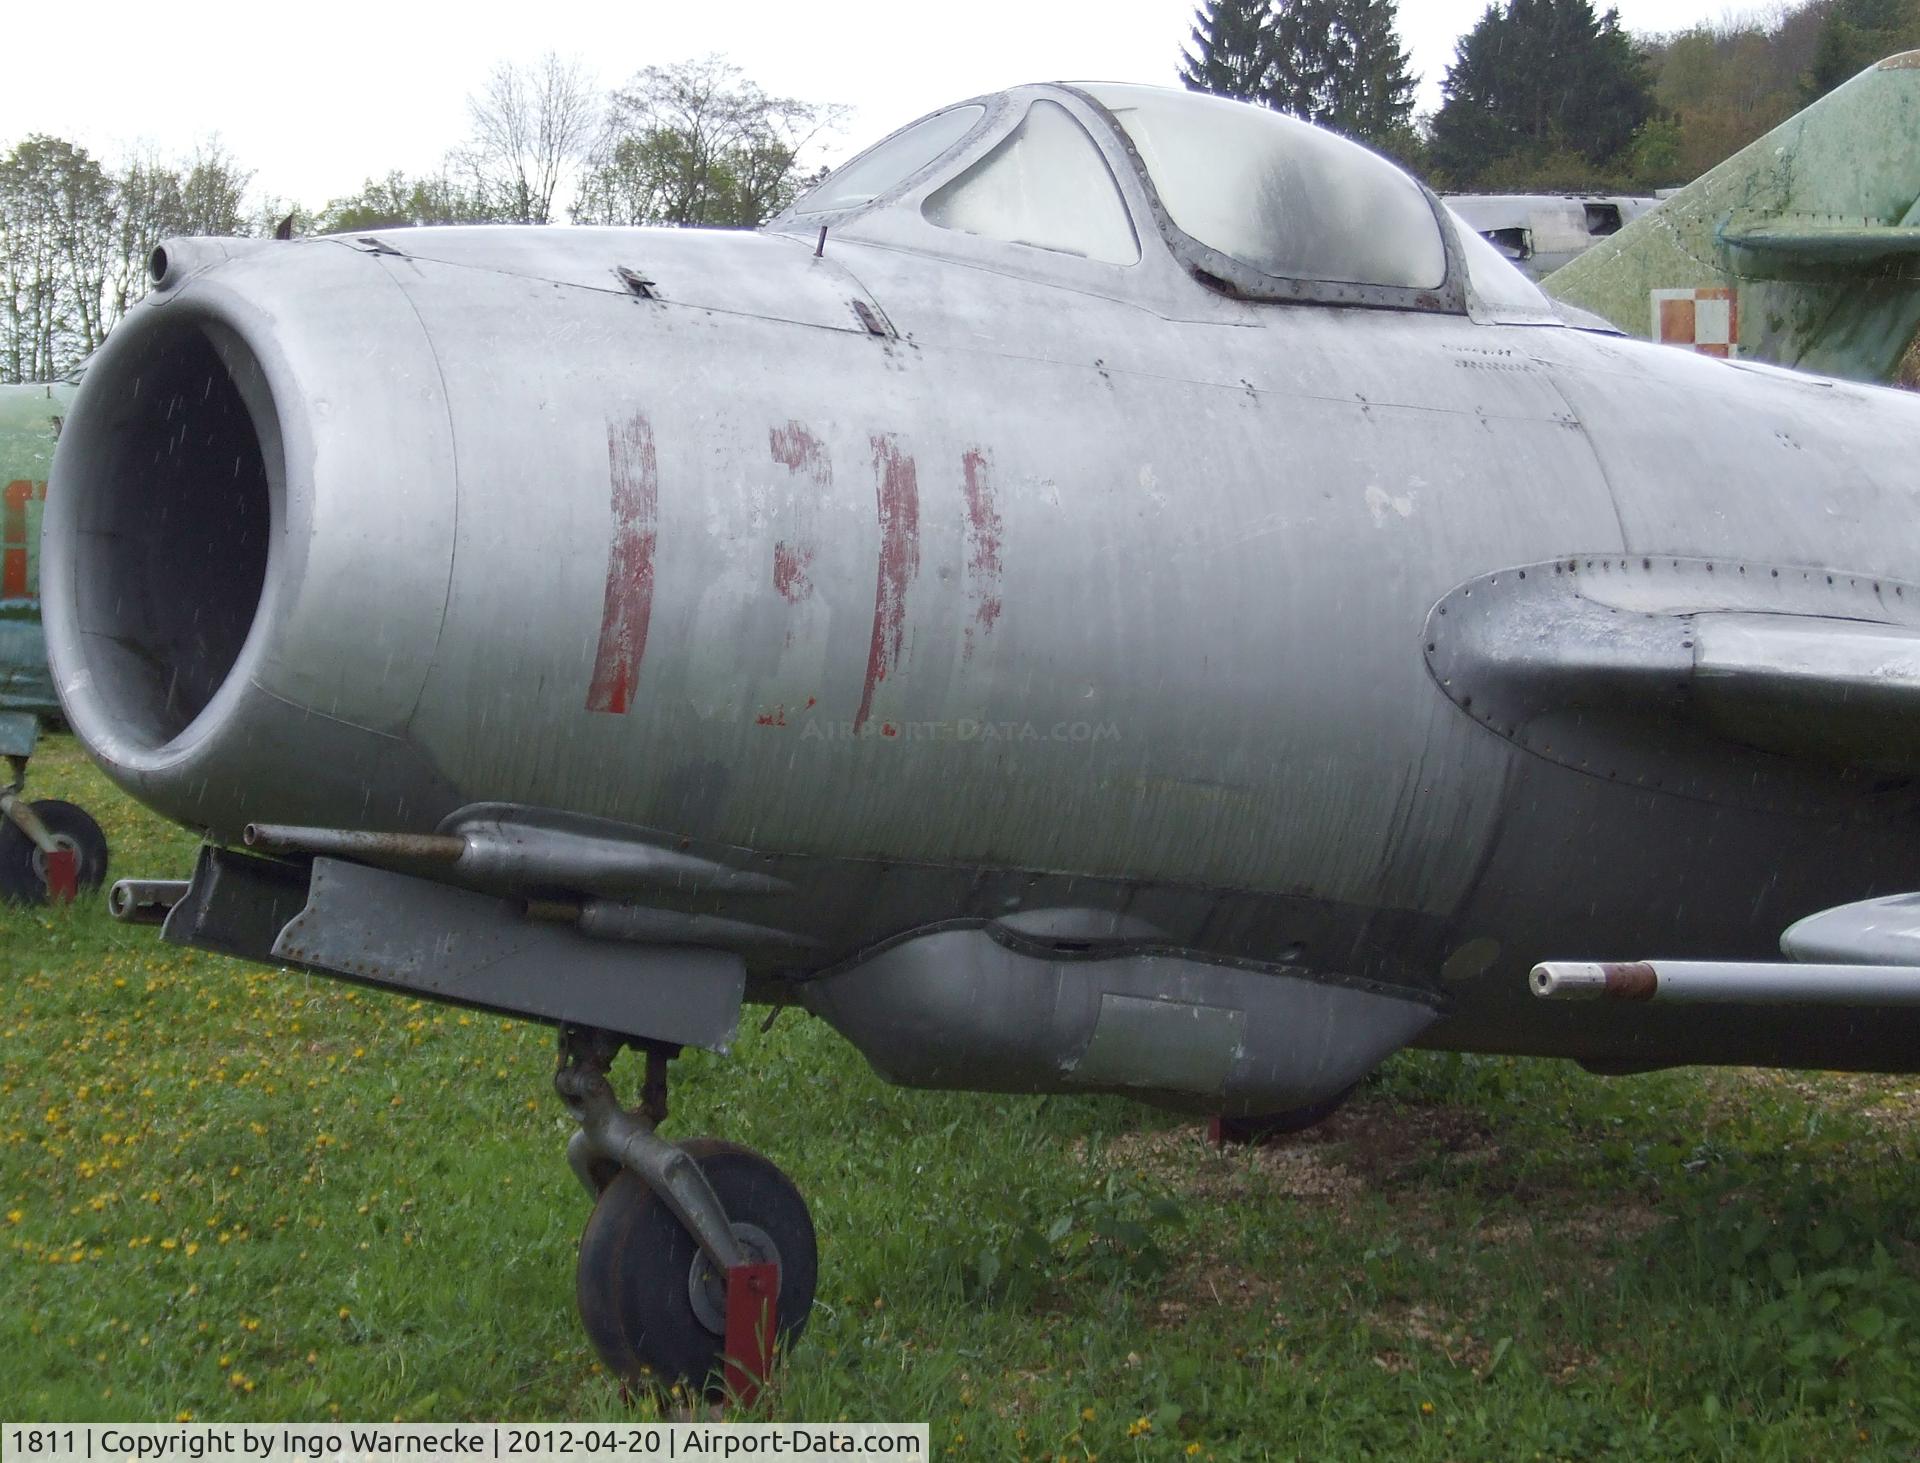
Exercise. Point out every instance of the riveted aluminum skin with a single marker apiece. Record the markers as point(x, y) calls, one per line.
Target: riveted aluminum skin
point(933, 560)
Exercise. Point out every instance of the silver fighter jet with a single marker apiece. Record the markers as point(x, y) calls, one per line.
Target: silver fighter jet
point(1114, 591)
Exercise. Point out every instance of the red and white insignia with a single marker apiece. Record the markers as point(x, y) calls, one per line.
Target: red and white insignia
point(1704, 320)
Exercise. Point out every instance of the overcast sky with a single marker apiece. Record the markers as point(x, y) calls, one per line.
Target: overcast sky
point(315, 98)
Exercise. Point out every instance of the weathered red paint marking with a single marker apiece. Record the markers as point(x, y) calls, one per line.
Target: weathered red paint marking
point(887, 729)
point(634, 474)
point(790, 565)
point(897, 491)
point(13, 536)
point(796, 448)
point(983, 544)
point(775, 717)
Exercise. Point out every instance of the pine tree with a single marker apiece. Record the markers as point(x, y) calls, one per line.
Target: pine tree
point(1232, 55)
point(1854, 35)
point(1338, 63)
point(1371, 95)
point(1536, 77)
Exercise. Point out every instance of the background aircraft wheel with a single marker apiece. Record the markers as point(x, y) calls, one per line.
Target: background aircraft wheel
point(653, 1305)
point(23, 868)
point(1263, 1127)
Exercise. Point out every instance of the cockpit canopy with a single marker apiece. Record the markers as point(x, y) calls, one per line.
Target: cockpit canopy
point(1252, 203)
point(1278, 195)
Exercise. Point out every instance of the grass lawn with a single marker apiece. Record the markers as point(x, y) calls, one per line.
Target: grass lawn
point(231, 1193)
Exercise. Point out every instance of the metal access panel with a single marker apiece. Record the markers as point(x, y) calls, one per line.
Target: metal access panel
point(402, 933)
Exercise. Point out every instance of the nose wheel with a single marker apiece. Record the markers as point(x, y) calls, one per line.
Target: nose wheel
point(699, 1261)
point(656, 1307)
point(48, 850)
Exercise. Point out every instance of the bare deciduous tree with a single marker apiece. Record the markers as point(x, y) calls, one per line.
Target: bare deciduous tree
point(530, 125)
point(56, 244)
point(698, 143)
point(74, 241)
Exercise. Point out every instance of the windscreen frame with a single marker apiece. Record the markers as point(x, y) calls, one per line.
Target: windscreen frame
point(1232, 277)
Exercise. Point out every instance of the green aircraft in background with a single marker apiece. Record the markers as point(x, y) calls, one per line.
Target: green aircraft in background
point(1802, 249)
point(46, 847)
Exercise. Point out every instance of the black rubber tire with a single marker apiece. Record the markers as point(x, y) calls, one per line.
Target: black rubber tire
point(635, 1259)
point(1265, 1127)
point(23, 875)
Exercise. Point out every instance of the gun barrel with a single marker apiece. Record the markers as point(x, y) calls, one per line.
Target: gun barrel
point(145, 901)
point(1710, 982)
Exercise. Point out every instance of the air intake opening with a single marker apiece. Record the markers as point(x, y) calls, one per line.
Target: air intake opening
point(173, 508)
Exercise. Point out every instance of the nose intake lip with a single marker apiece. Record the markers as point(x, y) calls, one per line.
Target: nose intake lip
point(159, 541)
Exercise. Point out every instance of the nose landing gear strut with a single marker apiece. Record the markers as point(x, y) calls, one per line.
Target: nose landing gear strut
point(699, 1259)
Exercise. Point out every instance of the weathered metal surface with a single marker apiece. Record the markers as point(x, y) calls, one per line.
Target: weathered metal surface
point(1085, 587)
point(1629, 980)
point(980, 1010)
point(472, 949)
point(19, 812)
point(1730, 983)
point(19, 733)
point(145, 901)
point(616, 1136)
point(1737, 683)
point(236, 905)
point(354, 843)
point(1539, 232)
point(1806, 238)
point(607, 919)
point(1882, 931)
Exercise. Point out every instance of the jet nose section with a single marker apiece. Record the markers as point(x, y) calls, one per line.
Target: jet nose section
point(248, 535)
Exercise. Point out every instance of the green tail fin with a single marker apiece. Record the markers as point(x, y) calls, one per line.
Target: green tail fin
point(1802, 249)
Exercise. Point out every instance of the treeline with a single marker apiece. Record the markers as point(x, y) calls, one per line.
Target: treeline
point(1545, 94)
point(695, 143)
point(74, 240)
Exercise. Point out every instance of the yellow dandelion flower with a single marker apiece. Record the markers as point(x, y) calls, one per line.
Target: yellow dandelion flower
point(1139, 1426)
point(183, 1417)
point(1087, 1414)
point(14, 1216)
point(169, 1243)
point(250, 1324)
point(192, 1249)
point(1193, 1450)
point(225, 1362)
point(1426, 1409)
point(345, 1313)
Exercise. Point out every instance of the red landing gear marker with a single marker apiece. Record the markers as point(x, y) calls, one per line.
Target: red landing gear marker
point(753, 1298)
point(63, 876)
